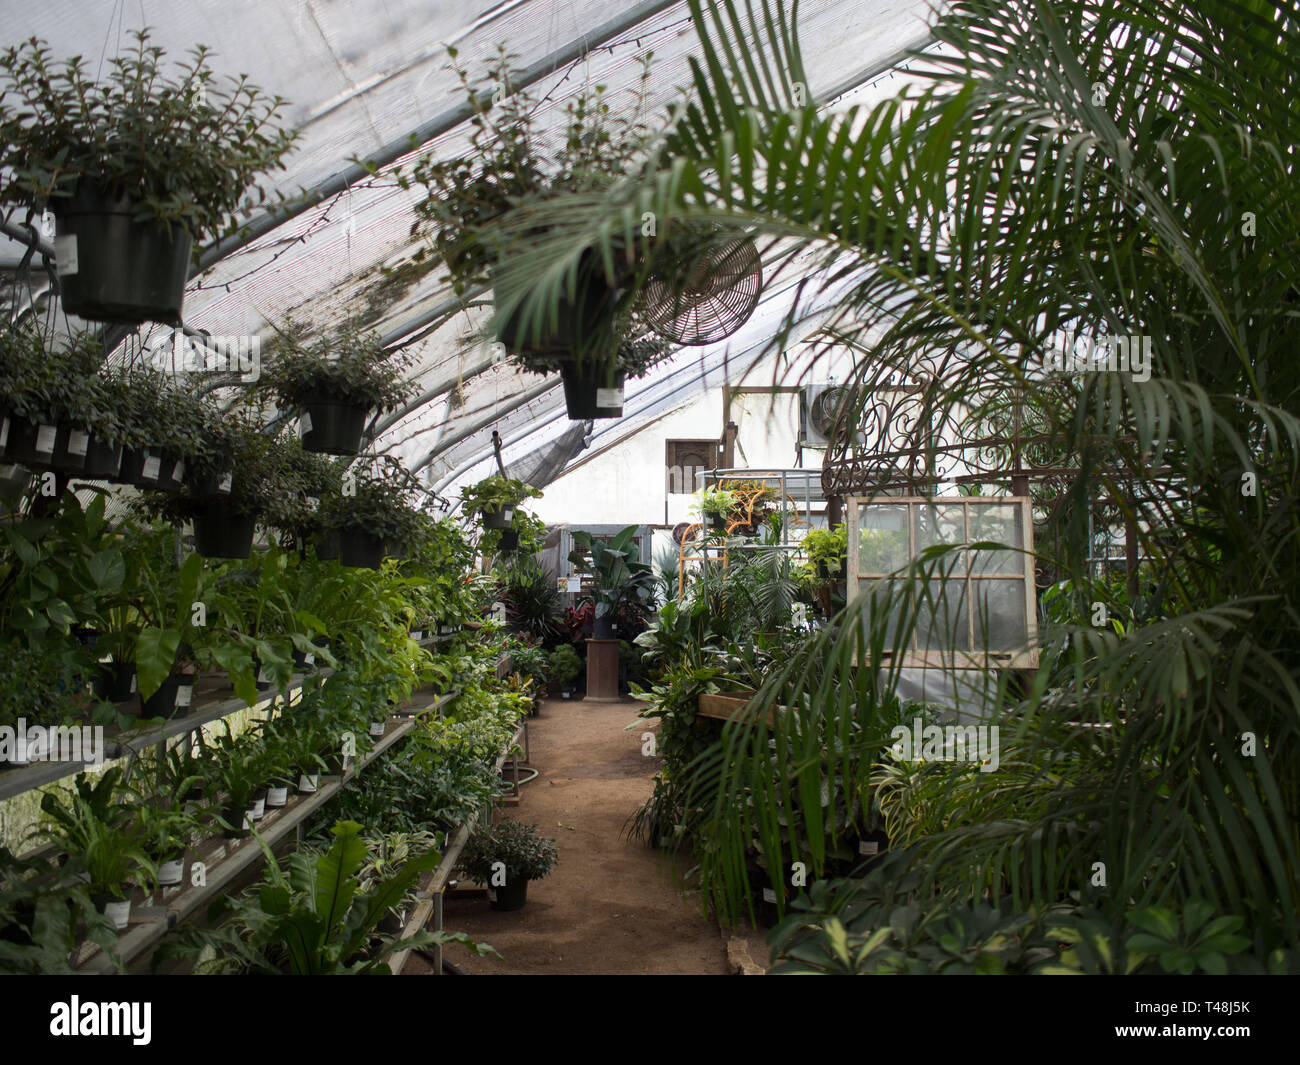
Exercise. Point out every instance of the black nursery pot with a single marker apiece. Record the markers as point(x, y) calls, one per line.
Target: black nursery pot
point(512, 895)
point(331, 427)
point(70, 449)
point(150, 468)
point(220, 532)
point(209, 486)
point(33, 444)
point(576, 319)
point(498, 519)
point(172, 699)
point(360, 549)
point(327, 546)
point(113, 268)
point(103, 460)
point(115, 681)
point(509, 540)
point(587, 394)
point(14, 480)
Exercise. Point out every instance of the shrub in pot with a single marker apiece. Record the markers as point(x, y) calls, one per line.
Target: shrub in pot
point(140, 168)
point(505, 857)
point(335, 382)
point(564, 665)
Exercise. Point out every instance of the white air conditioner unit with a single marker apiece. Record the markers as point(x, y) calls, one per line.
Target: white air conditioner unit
point(820, 410)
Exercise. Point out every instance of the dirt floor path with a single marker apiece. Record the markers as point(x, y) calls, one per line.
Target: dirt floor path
point(608, 907)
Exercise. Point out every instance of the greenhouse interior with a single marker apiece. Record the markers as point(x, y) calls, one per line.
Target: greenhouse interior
point(683, 487)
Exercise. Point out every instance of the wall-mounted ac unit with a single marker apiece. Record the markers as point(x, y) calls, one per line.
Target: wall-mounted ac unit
point(820, 409)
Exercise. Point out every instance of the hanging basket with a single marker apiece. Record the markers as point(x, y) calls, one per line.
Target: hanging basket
point(114, 268)
point(14, 480)
point(509, 540)
point(575, 319)
point(330, 427)
point(220, 532)
point(70, 449)
point(360, 549)
point(498, 519)
point(327, 546)
point(210, 486)
point(33, 444)
point(588, 392)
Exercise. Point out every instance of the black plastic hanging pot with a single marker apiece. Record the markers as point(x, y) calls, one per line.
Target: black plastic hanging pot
point(70, 449)
point(359, 549)
point(498, 519)
point(602, 628)
point(152, 468)
point(589, 393)
point(509, 540)
point(209, 486)
point(103, 460)
point(172, 699)
point(33, 444)
point(113, 268)
point(512, 895)
point(331, 427)
point(221, 532)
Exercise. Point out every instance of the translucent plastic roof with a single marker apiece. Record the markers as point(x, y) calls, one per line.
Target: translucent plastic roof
point(362, 77)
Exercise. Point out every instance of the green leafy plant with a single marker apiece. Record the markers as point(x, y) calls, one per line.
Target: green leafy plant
point(619, 572)
point(827, 548)
point(186, 148)
point(349, 365)
point(496, 493)
point(564, 665)
point(519, 847)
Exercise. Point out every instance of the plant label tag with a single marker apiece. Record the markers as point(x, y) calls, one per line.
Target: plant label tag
point(309, 660)
point(507, 513)
point(769, 895)
point(178, 471)
point(492, 894)
point(376, 728)
point(152, 465)
point(134, 685)
point(65, 254)
point(184, 695)
point(867, 848)
point(78, 442)
point(304, 424)
point(305, 783)
point(609, 397)
point(223, 485)
point(4, 430)
point(45, 435)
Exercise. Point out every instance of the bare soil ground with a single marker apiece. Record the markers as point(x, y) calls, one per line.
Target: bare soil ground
point(609, 906)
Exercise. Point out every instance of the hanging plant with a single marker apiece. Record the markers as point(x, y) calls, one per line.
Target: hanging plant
point(335, 381)
point(49, 397)
point(372, 515)
point(509, 169)
point(138, 168)
point(158, 422)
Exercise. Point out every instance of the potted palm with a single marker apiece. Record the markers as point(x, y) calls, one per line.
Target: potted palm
point(506, 857)
point(138, 168)
point(335, 382)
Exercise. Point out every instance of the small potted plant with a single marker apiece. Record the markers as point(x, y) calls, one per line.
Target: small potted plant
point(138, 168)
point(565, 665)
point(714, 505)
point(826, 550)
point(156, 421)
point(335, 382)
point(505, 857)
point(497, 499)
point(165, 834)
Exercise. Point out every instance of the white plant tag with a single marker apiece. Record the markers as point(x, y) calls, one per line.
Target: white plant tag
point(4, 431)
point(134, 686)
point(305, 783)
point(65, 254)
point(224, 484)
point(178, 471)
point(376, 728)
point(492, 894)
point(304, 423)
point(507, 513)
point(45, 435)
point(78, 443)
point(868, 847)
point(609, 397)
point(184, 695)
point(309, 660)
point(152, 464)
point(769, 895)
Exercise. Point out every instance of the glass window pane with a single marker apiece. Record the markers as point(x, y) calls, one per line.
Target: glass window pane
point(881, 607)
point(942, 621)
point(882, 539)
point(1000, 615)
point(941, 524)
point(1002, 525)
